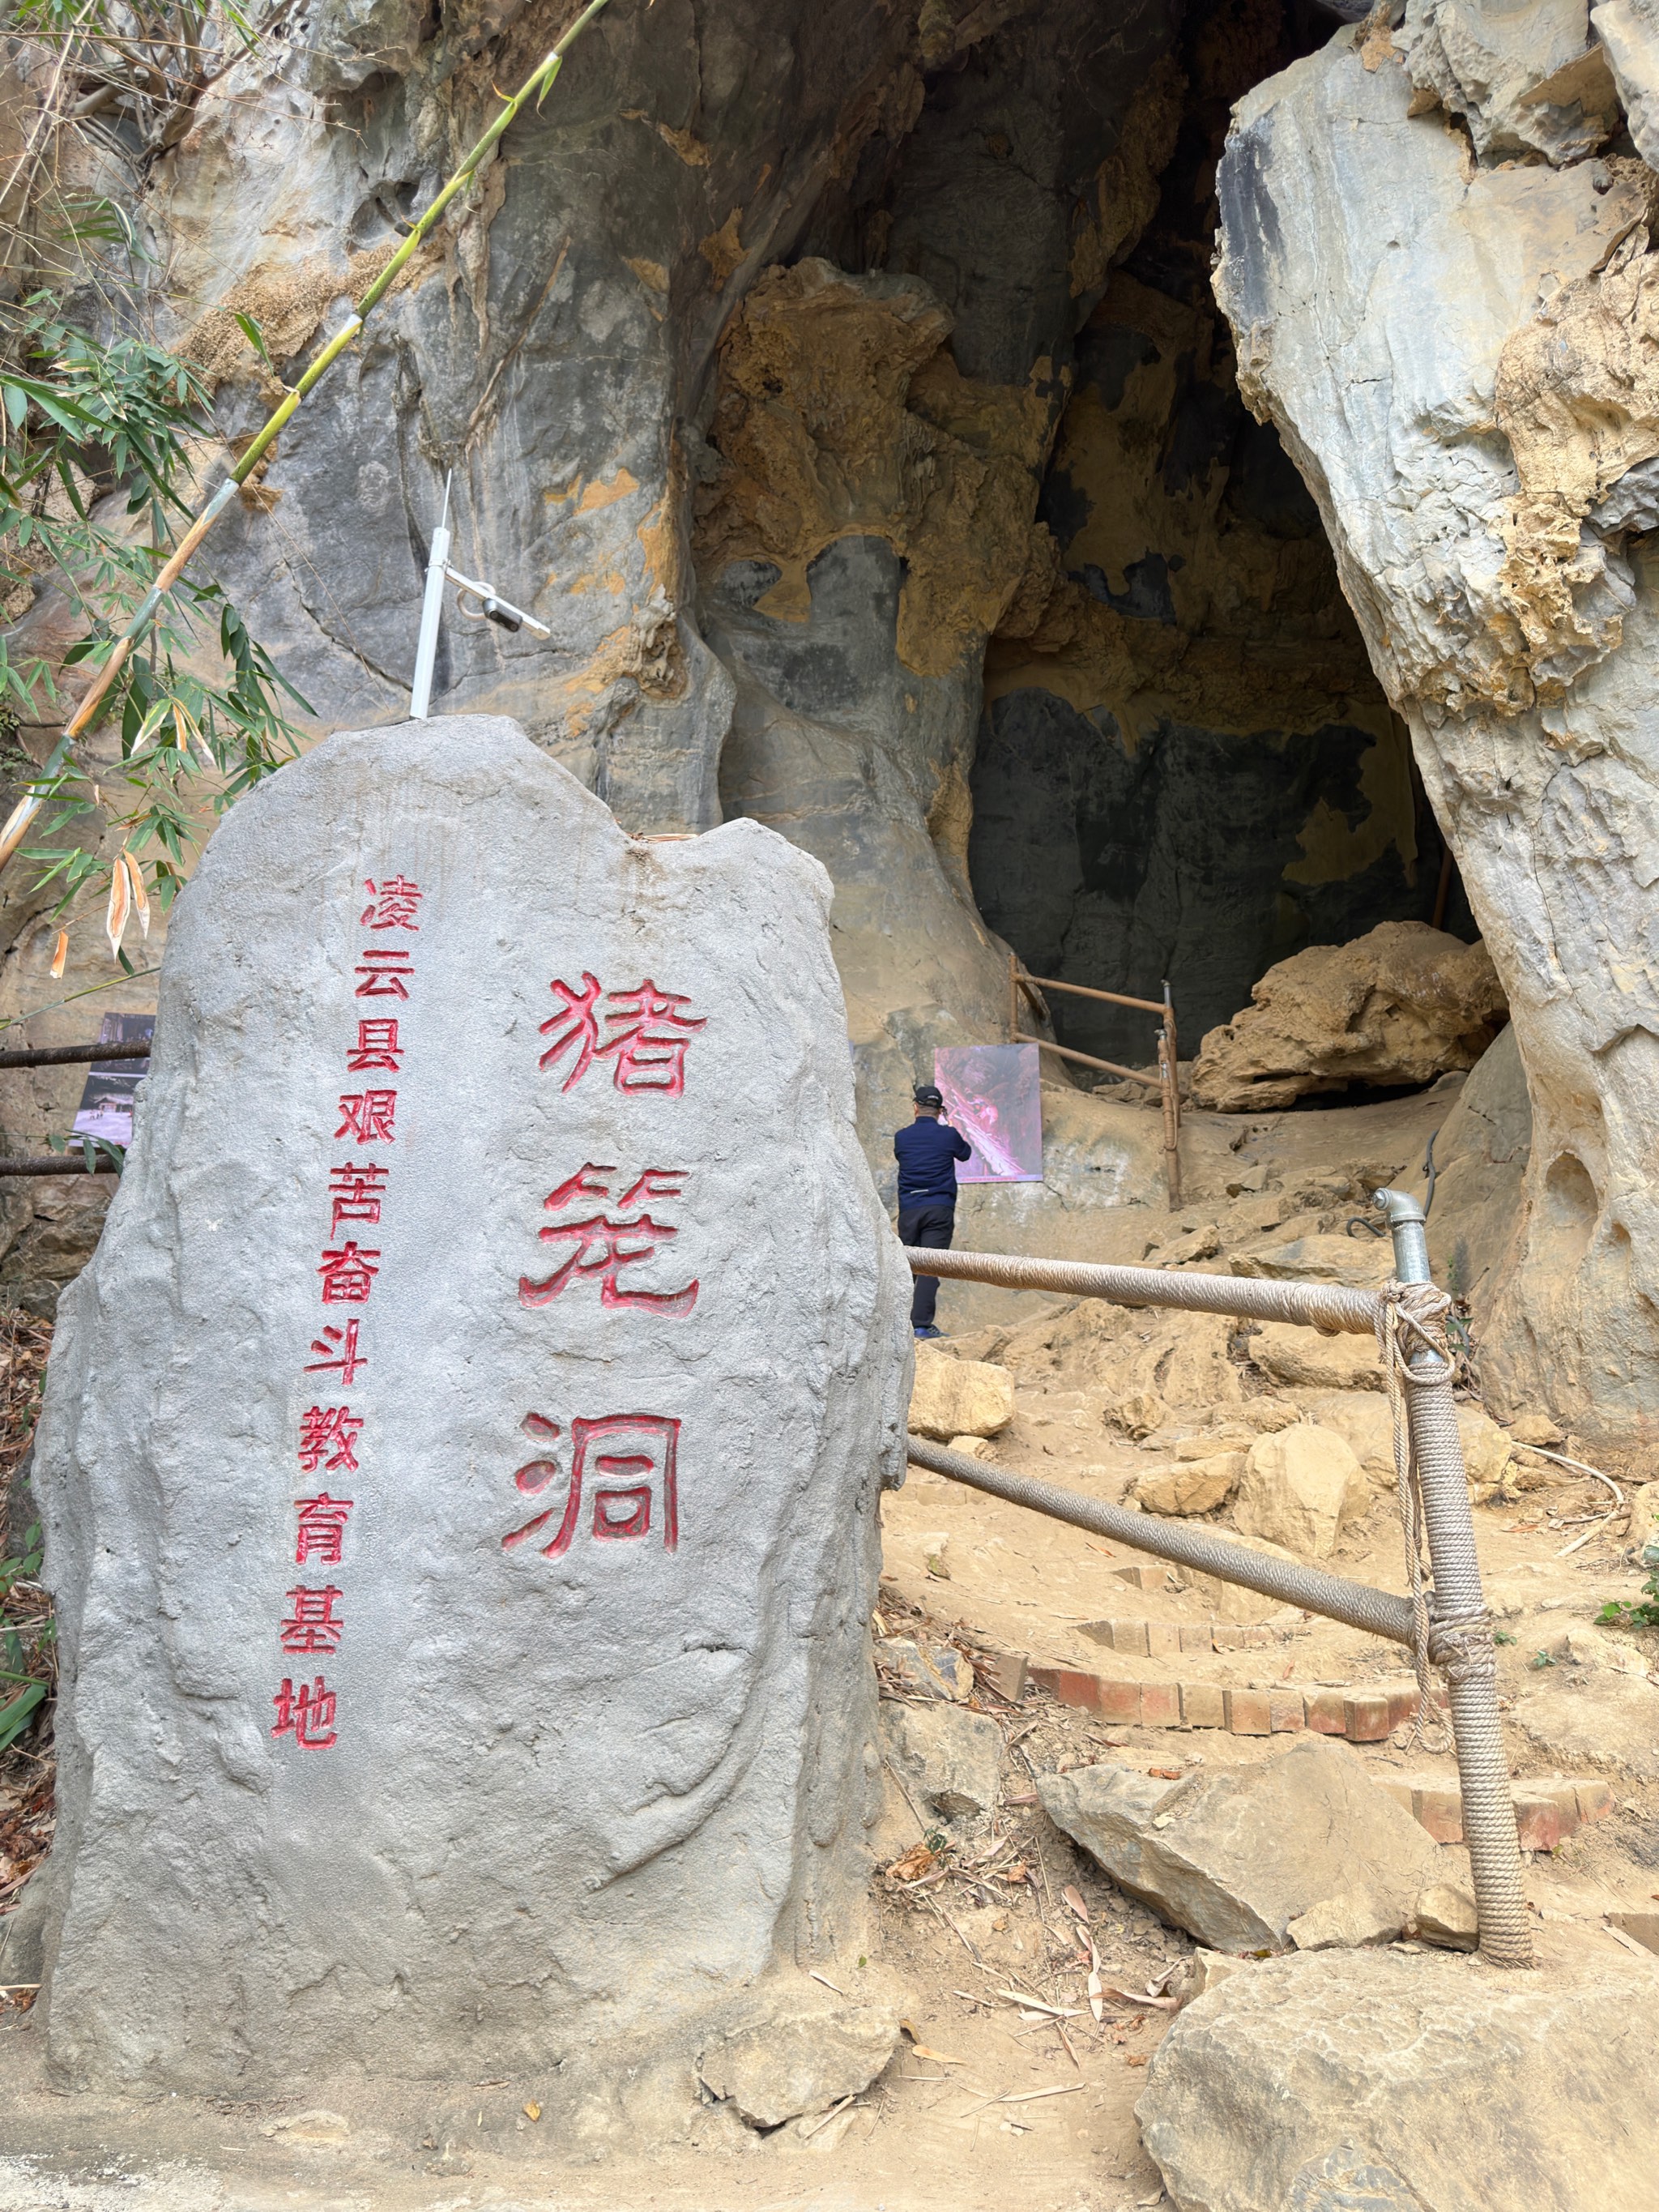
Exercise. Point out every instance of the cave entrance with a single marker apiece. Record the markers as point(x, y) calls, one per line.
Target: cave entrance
point(1186, 767)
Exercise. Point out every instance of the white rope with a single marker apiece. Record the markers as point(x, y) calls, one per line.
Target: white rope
point(1411, 1317)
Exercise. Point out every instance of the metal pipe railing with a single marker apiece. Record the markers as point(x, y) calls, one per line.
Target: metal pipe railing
point(1460, 1641)
point(67, 1056)
point(1019, 981)
point(1333, 1309)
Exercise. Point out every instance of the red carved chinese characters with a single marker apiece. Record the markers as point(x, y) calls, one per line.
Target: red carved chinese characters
point(602, 1244)
point(651, 1035)
point(629, 1464)
point(306, 1714)
point(376, 1046)
point(385, 975)
point(347, 1363)
point(329, 1435)
point(355, 1194)
point(322, 1529)
point(311, 1624)
point(392, 903)
point(367, 1117)
point(348, 1275)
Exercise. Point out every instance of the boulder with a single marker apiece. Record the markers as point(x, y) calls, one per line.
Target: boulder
point(1364, 1421)
point(1379, 2082)
point(1300, 1489)
point(1266, 1416)
point(959, 1397)
point(776, 2069)
point(1234, 1855)
point(1196, 1485)
point(1301, 1358)
point(1445, 1914)
point(1400, 1005)
point(1364, 1261)
point(949, 1759)
point(436, 1554)
point(1347, 1922)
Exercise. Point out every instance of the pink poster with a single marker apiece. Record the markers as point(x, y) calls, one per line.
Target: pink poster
point(994, 1095)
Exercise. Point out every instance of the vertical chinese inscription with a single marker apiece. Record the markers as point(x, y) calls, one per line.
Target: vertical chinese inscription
point(314, 1622)
point(620, 1471)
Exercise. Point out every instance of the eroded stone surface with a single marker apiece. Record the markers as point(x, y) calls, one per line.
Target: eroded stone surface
point(1455, 356)
point(590, 1755)
point(959, 1397)
point(1300, 1489)
point(1402, 1004)
point(778, 2068)
point(950, 1759)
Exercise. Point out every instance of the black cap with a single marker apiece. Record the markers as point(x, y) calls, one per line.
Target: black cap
point(928, 1094)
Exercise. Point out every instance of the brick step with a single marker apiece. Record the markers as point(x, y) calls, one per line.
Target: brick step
point(1545, 1812)
point(1363, 1716)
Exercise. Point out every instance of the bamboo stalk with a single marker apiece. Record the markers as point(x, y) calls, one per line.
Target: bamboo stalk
point(536, 85)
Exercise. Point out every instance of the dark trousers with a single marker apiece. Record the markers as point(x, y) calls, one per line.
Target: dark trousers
point(932, 1224)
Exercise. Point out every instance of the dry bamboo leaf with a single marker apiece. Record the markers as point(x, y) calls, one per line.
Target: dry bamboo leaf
point(119, 907)
point(140, 900)
point(60, 956)
point(1074, 1898)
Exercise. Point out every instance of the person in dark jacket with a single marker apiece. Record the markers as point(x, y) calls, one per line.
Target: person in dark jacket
point(927, 1153)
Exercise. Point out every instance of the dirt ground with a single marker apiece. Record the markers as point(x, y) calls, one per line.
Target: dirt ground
point(1008, 2089)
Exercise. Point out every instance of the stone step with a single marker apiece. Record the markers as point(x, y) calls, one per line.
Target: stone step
point(1160, 1639)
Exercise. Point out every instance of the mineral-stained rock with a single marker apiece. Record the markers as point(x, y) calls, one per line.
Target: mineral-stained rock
point(1196, 1485)
point(950, 1758)
point(1480, 497)
point(463, 1618)
point(1235, 1855)
point(1400, 1005)
point(1396, 2083)
point(1445, 1914)
point(959, 1397)
point(1300, 1489)
point(777, 2069)
point(1302, 1359)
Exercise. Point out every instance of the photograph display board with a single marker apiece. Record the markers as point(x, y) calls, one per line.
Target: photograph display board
point(993, 1095)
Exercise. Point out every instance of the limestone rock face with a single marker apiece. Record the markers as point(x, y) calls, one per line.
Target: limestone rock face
point(1303, 1358)
point(1458, 359)
point(1402, 1004)
point(1524, 79)
point(1235, 1855)
point(959, 1397)
point(464, 1605)
point(1300, 1489)
point(1377, 2079)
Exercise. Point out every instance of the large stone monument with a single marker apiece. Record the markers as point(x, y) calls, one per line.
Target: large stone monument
point(460, 1458)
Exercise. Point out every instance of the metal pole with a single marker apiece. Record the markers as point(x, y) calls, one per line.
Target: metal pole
point(431, 607)
point(1287, 1581)
point(1461, 1641)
